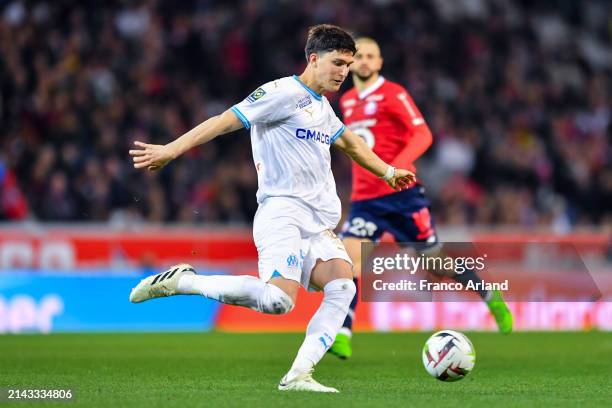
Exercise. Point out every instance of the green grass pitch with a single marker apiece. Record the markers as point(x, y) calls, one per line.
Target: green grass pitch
point(220, 369)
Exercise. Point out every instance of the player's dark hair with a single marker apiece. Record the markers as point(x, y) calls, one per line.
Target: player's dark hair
point(326, 38)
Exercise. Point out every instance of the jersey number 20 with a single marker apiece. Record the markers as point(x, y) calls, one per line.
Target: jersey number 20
point(362, 228)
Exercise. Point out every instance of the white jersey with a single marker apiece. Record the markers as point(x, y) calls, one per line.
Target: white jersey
point(292, 128)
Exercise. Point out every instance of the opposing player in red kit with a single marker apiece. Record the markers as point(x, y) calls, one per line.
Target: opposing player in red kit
point(384, 114)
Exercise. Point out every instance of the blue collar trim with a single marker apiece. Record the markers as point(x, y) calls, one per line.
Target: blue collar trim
point(317, 96)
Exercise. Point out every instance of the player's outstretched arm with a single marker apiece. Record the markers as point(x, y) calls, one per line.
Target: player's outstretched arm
point(355, 147)
point(154, 157)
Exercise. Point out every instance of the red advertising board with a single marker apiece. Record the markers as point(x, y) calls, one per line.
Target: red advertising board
point(102, 248)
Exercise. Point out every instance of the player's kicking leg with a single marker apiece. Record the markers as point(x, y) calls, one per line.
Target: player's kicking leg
point(243, 290)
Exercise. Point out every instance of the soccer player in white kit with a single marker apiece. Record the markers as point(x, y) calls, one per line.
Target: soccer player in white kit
point(292, 127)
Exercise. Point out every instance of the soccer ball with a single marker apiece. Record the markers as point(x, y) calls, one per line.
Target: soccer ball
point(448, 355)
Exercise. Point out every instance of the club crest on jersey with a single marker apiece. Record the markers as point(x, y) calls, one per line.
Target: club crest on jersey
point(370, 108)
point(293, 263)
point(257, 94)
point(292, 260)
point(303, 102)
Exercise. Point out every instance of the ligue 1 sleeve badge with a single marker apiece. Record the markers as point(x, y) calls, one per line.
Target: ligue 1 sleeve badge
point(257, 94)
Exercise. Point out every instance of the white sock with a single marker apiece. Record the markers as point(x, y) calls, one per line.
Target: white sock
point(242, 290)
point(323, 326)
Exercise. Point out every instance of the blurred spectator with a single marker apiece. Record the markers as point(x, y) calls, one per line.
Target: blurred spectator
point(518, 95)
point(13, 204)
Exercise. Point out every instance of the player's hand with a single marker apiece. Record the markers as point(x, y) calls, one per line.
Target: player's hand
point(150, 156)
point(402, 179)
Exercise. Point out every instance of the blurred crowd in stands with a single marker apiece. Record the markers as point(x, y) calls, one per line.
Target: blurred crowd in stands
point(518, 95)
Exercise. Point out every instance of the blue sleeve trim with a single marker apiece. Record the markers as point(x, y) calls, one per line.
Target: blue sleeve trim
point(338, 134)
point(242, 118)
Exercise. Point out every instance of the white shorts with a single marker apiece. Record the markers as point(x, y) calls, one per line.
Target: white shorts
point(289, 241)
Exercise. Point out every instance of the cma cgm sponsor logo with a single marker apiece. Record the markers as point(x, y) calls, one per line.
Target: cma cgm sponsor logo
point(314, 135)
